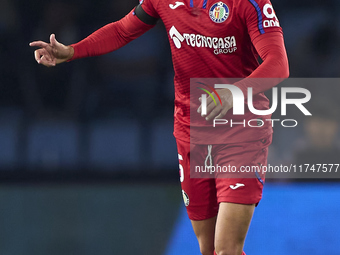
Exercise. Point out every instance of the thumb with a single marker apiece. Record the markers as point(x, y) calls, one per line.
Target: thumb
point(53, 40)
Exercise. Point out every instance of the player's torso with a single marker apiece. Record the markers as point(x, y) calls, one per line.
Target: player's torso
point(211, 39)
point(208, 38)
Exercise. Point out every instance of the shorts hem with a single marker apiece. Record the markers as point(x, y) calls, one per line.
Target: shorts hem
point(202, 217)
point(193, 212)
point(239, 200)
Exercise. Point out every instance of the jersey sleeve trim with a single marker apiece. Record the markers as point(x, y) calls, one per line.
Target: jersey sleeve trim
point(143, 16)
point(259, 15)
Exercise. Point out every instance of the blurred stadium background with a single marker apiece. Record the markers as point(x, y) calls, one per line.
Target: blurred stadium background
point(88, 164)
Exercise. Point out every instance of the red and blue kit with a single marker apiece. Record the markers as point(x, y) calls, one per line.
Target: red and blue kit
point(210, 39)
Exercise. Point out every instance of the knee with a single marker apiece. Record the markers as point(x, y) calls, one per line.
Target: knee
point(229, 251)
point(207, 250)
point(206, 245)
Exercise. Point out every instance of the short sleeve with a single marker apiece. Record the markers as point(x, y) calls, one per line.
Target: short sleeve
point(260, 18)
point(150, 7)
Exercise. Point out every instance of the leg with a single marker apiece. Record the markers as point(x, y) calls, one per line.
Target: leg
point(237, 196)
point(205, 232)
point(199, 196)
point(232, 225)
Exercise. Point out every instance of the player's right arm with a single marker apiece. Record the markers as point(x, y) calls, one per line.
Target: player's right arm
point(106, 39)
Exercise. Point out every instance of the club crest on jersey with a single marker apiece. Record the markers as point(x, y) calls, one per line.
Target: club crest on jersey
point(219, 12)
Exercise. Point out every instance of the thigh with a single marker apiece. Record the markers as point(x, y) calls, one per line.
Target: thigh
point(205, 233)
point(232, 225)
point(199, 194)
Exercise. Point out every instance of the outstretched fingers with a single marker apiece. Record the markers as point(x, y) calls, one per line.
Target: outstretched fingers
point(39, 44)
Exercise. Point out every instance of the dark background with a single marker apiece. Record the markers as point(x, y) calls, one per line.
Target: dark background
point(88, 163)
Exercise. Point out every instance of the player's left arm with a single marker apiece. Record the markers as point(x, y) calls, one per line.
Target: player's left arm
point(274, 68)
point(267, 38)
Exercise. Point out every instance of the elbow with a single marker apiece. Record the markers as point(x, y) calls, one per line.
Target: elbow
point(285, 69)
point(282, 68)
point(285, 73)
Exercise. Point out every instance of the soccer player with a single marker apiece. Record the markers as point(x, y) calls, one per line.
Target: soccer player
point(209, 39)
